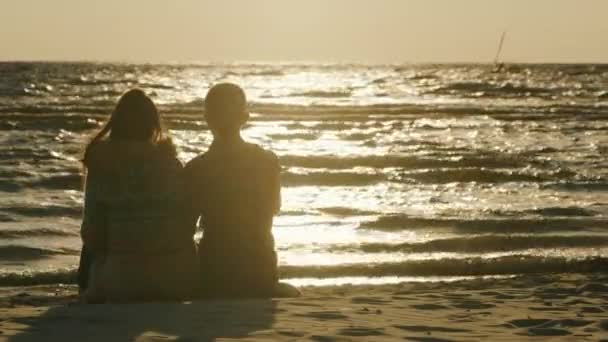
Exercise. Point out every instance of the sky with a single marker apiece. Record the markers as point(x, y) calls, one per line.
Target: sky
point(369, 31)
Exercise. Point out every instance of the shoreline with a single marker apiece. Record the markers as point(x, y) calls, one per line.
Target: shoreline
point(560, 306)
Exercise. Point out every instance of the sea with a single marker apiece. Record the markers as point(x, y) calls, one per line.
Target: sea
point(390, 173)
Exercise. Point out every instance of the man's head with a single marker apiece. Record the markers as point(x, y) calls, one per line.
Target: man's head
point(226, 108)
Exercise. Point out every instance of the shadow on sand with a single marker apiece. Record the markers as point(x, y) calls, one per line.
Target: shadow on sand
point(188, 321)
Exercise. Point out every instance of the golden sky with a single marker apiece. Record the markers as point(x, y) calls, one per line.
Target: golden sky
point(373, 31)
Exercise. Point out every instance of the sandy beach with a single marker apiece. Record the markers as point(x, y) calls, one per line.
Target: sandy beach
point(570, 307)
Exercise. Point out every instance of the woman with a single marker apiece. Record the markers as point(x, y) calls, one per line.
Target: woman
point(140, 242)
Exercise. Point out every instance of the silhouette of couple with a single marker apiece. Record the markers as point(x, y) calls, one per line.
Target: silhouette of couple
point(141, 208)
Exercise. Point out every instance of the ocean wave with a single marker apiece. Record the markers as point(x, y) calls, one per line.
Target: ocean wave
point(13, 173)
point(315, 126)
point(66, 180)
point(60, 180)
point(424, 170)
point(330, 179)
point(18, 252)
point(53, 181)
point(36, 232)
point(58, 119)
point(56, 109)
point(561, 211)
point(515, 264)
point(323, 93)
point(591, 185)
point(44, 211)
point(40, 277)
point(483, 175)
point(422, 176)
point(330, 112)
point(9, 186)
point(255, 71)
point(571, 211)
point(7, 218)
point(480, 244)
point(345, 211)
point(92, 81)
point(294, 136)
point(336, 173)
point(149, 85)
point(407, 162)
point(270, 111)
point(34, 152)
point(508, 265)
point(487, 225)
point(491, 89)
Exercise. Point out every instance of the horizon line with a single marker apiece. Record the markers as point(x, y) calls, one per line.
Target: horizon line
point(293, 62)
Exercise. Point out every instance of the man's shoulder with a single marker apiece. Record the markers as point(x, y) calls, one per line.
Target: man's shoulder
point(265, 155)
point(255, 153)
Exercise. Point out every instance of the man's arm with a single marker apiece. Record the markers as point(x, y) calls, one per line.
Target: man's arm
point(276, 185)
point(191, 198)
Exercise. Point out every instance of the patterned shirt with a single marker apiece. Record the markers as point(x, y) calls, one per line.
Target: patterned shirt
point(134, 199)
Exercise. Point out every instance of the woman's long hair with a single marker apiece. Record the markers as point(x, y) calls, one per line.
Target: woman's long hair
point(135, 118)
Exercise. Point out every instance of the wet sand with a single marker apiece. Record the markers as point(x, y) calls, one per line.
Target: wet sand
point(571, 307)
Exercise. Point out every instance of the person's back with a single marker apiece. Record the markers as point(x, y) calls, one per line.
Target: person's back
point(134, 220)
point(235, 189)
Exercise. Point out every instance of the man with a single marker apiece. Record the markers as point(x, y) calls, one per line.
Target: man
point(235, 190)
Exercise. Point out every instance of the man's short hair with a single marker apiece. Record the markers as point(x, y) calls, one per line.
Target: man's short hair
point(224, 104)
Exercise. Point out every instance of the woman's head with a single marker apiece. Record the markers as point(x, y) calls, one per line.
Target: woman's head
point(135, 118)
